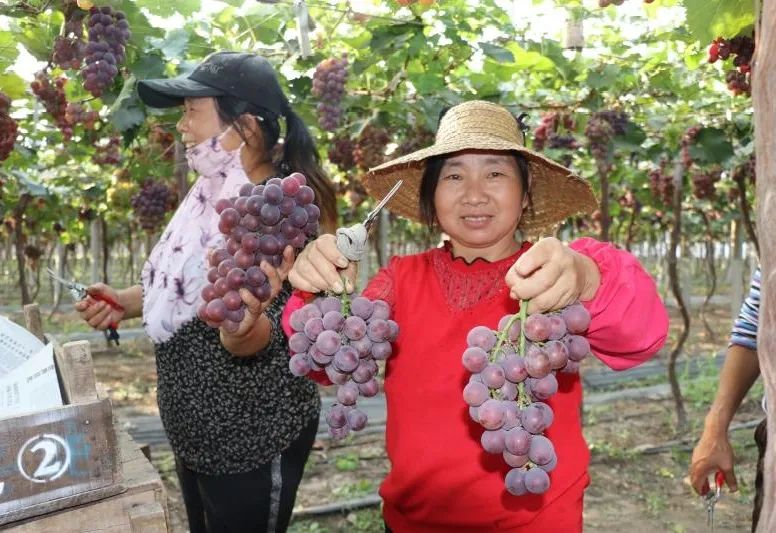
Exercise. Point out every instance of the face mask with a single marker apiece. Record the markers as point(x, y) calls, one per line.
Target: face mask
point(209, 158)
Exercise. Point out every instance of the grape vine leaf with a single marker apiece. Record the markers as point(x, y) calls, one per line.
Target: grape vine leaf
point(709, 19)
point(125, 112)
point(168, 9)
point(498, 53)
point(173, 44)
point(711, 146)
point(12, 85)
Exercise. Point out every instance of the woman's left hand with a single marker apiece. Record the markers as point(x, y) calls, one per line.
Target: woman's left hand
point(254, 307)
point(551, 275)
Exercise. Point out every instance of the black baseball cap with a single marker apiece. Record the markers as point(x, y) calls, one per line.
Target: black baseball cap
point(248, 77)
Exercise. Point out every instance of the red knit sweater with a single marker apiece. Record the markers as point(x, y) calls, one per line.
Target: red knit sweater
point(441, 480)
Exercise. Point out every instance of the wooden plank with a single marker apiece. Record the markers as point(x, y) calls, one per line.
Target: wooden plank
point(57, 458)
point(33, 322)
point(148, 518)
point(76, 370)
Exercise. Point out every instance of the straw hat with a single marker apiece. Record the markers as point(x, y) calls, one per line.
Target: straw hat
point(556, 193)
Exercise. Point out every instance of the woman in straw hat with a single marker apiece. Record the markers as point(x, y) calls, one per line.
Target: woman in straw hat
point(478, 184)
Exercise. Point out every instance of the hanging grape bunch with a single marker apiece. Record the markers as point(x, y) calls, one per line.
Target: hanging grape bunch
point(344, 338)
point(52, 96)
point(163, 140)
point(688, 139)
point(513, 375)
point(601, 128)
point(419, 137)
point(547, 133)
point(70, 47)
point(8, 128)
point(370, 147)
point(258, 224)
point(341, 153)
point(108, 152)
point(151, 203)
point(703, 183)
point(661, 183)
point(329, 87)
point(76, 113)
point(741, 48)
point(108, 35)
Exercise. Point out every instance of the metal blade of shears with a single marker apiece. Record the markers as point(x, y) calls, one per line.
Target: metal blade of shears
point(370, 218)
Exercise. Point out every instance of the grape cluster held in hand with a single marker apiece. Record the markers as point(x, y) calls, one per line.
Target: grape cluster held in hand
point(259, 224)
point(513, 375)
point(344, 338)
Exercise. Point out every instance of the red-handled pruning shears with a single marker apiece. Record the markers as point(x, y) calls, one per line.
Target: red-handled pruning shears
point(712, 497)
point(79, 291)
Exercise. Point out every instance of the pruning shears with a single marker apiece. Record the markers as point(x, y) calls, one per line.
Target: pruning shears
point(79, 291)
point(711, 498)
point(352, 241)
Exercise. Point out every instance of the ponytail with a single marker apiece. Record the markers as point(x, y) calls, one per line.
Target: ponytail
point(301, 155)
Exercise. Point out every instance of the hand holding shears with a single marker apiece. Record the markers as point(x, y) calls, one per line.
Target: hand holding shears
point(353, 241)
point(327, 263)
point(79, 292)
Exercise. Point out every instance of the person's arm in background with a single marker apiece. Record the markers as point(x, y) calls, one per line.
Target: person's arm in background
point(739, 372)
point(100, 315)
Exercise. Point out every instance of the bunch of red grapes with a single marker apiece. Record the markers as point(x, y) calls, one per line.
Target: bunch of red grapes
point(259, 224)
point(703, 183)
point(741, 49)
point(108, 36)
point(70, 47)
point(548, 132)
point(151, 204)
point(419, 137)
point(344, 338)
point(329, 87)
point(601, 128)
point(51, 94)
point(8, 128)
point(370, 147)
point(108, 152)
point(661, 183)
point(513, 375)
point(76, 113)
point(341, 153)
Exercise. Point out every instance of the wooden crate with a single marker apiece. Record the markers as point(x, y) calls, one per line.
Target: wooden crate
point(61, 457)
point(142, 507)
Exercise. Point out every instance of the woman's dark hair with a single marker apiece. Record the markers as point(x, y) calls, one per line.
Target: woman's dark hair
point(299, 151)
point(428, 184)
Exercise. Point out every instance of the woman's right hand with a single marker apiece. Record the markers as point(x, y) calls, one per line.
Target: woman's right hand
point(97, 313)
point(713, 452)
point(321, 267)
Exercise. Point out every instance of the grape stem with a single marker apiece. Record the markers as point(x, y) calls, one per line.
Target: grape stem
point(522, 397)
point(345, 308)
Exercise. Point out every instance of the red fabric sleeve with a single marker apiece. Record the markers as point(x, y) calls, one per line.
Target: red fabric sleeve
point(297, 300)
point(380, 287)
point(629, 322)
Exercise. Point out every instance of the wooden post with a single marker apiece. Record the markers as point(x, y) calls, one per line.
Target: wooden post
point(74, 361)
point(763, 96)
point(33, 322)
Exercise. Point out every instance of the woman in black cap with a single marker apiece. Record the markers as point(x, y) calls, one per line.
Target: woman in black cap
point(240, 424)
